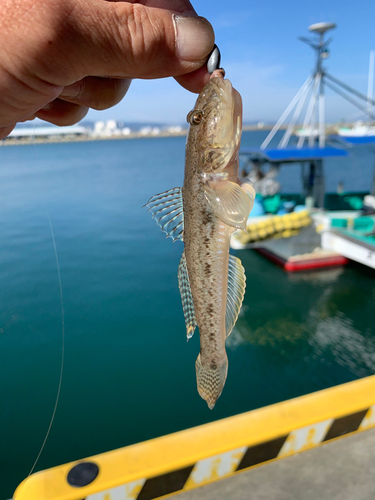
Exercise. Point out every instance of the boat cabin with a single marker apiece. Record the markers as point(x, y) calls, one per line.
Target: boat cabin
point(261, 167)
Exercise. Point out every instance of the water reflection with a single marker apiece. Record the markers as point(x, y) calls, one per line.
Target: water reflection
point(316, 277)
point(272, 333)
point(331, 326)
point(349, 347)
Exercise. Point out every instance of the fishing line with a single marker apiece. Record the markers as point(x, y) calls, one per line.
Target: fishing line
point(62, 348)
point(62, 344)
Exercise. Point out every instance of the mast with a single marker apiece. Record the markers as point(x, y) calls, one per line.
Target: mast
point(317, 98)
point(314, 86)
point(370, 84)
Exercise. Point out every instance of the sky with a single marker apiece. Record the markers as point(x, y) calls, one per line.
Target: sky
point(264, 59)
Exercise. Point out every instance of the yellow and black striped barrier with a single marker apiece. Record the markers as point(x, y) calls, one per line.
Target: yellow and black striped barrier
point(277, 226)
point(194, 457)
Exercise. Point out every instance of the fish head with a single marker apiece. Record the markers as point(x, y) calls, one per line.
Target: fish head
point(216, 125)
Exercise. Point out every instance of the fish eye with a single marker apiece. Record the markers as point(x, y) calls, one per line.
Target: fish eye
point(194, 117)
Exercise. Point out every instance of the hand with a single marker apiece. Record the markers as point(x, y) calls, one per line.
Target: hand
point(58, 58)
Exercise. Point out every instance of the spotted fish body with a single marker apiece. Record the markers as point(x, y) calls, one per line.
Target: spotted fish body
point(204, 213)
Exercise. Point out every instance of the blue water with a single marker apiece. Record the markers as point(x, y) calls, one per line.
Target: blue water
point(129, 373)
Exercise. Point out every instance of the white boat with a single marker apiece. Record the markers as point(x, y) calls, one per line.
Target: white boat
point(307, 132)
point(359, 129)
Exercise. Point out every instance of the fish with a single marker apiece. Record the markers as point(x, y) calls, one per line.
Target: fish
point(211, 205)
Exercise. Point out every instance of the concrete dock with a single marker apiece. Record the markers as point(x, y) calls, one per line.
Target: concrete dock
point(343, 469)
point(320, 446)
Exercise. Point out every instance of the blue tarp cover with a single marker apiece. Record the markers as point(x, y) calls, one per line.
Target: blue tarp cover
point(294, 154)
point(353, 140)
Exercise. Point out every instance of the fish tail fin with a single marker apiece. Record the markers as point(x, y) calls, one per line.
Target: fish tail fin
point(210, 380)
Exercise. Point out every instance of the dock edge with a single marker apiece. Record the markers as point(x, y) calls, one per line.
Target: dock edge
point(191, 458)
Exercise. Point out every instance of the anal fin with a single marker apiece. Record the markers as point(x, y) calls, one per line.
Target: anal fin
point(186, 297)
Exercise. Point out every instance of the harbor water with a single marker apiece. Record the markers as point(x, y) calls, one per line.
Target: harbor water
point(128, 371)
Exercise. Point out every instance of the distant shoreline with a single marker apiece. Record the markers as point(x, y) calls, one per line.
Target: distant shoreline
point(86, 138)
point(135, 135)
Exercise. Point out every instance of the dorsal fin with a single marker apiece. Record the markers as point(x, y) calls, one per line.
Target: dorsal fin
point(168, 210)
point(236, 292)
point(186, 297)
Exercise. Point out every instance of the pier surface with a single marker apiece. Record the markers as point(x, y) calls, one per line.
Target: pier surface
point(340, 470)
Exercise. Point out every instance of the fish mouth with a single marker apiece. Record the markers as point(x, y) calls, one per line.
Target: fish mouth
point(221, 106)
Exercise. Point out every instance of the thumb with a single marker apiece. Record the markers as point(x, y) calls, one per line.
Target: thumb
point(131, 40)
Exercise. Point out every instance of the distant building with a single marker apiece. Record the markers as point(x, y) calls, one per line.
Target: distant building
point(99, 128)
point(145, 130)
point(174, 129)
point(110, 128)
point(46, 132)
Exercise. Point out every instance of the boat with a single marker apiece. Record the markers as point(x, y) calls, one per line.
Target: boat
point(352, 236)
point(361, 132)
point(359, 129)
point(306, 132)
point(323, 242)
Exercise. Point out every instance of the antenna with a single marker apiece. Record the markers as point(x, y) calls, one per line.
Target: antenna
point(321, 28)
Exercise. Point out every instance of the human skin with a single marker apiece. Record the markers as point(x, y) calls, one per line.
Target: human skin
point(58, 58)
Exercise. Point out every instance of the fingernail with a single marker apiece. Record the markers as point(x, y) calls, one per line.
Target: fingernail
point(194, 37)
point(73, 91)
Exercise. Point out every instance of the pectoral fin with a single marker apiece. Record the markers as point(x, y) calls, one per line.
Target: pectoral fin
point(229, 202)
point(168, 211)
point(236, 292)
point(250, 191)
point(186, 297)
